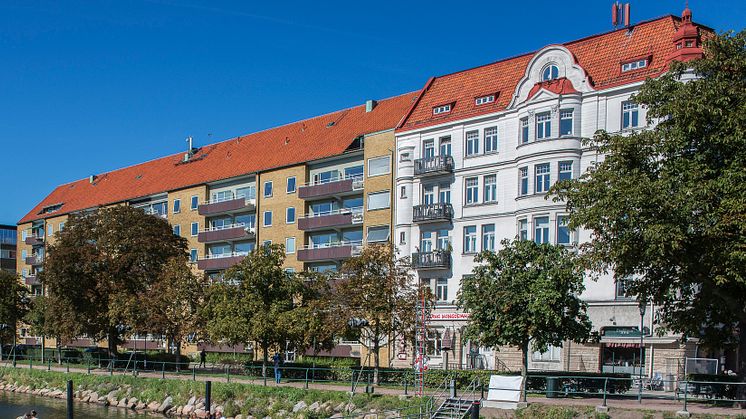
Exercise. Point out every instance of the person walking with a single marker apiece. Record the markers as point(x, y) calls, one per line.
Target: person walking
point(278, 374)
point(202, 358)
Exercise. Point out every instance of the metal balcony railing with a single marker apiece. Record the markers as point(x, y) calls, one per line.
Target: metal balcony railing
point(441, 211)
point(433, 165)
point(436, 259)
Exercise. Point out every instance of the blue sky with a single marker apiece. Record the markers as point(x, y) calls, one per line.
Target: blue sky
point(87, 87)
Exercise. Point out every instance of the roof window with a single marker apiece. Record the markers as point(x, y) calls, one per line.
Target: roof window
point(634, 65)
point(550, 72)
point(484, 99)
point(441, 109)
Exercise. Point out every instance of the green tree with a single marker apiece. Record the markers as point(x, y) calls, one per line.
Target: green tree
point(99, 271)
point(525, 295)
point(377, 287)
point(14, 304)
point(255, 302)
point(667, 206)
point(175, 301)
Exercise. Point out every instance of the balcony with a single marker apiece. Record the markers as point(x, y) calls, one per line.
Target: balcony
point(34, 260)
point(436, 165)
point(344, 217)
point(220, 261)
point(336, 188)
point(332, 251)
point(31, 280)
point(227, 233)
point(432, 213)
point(438, 259)
point(226, 206)
point(34, 240)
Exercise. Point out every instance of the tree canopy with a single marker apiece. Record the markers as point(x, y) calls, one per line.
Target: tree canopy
point(14, 304)
point(667, 206)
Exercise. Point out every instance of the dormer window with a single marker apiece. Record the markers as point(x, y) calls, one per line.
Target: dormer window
point(441, 109)
point(634, 65)
point(550, 72)
point(484, 99)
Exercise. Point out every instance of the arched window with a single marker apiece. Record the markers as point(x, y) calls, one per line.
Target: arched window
point(550, 72)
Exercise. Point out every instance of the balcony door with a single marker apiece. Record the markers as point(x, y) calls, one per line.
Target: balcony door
point(426, 242)
point(428, 149)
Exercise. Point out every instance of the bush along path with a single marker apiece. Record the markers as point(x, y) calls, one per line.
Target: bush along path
point(181, 398)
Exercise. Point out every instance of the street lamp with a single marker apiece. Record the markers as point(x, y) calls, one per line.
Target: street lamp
point(643, 307)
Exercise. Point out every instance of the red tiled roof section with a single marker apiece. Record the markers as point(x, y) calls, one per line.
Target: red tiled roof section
point(290, 144)
point(561, 86)
point(600, 55)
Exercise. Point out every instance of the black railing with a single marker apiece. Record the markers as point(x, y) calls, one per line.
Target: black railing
point(434, 259)
point(433, 165)
point(433, 212)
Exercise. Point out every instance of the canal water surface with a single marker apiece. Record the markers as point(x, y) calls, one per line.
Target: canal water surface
point(13, 405)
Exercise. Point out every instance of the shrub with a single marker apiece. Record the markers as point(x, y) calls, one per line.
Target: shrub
point(710, 384)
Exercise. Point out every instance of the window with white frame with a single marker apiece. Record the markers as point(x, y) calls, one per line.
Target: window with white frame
point(177, 230)
point(470, 239)
point(268, 189)
point(552, 354)
point(490, 188)
point(428, 149)
point(488, 237)
point(550, 72)
point(291, 185)
point(443, 239)
point(472, 143)
point(402, 237)
point(441, 290)
point(445, 146)
point(426, 241)
point(193, 255)
point(524, 130)
point(61, 226)
point(565, 170)
point(267, 218)
point(523, 181)
point(542, 178)
point(622, 288)
point(378, 234)
point(543, 125)
point(444, 193)
point(194, 203)
point(50, 229)
point(428, 194)
point(379, 200)
point(472, 190)
point(290, 215)
point(402, 192)
point(195, 229)
point(566, 122)
point(630, 115)
point(541, 230)
point(634, 65)
point(523, 229)
point(290, 245)
point(564, 234)
point(177, 206)
point(379, 166)
point(441, 109)
point(490, 140)
point(484, 100)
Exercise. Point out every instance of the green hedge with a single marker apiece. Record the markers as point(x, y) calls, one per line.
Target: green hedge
point(727, 390)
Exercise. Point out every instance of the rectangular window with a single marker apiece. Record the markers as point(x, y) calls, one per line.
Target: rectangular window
point(177, 206)
point(441, 109)
point(543, 125)
point(524, 130)
point(542, 178)
point(490, 140)
point(267, 218)
point(565, 170)
point(193, 255)
point(566, 122)
point(541, 230)
point(177, 230)
point(290, 215)
point(484, 99)
point(472, 190)
point(428, 149)
point(268, 189)
point(50, 230)
point(564, 235)
point(378, 234)
point(443, 239)
point(444, 193)
point(622, 286)
point(24, 254)
point(195, 202)
point(379, 166)
point(472, 143)
point(61, 226)
point(247, 193)
point(629, 115)
point(490, 188)
point(195, 229)
point(379, 200)
point(402, 238)
point(552, 354)
point(441, 290)
point(523, 181)
point(290, 245)
point(488, 237)
point(428, 194)
point(634, 65)
point(290, 185)
point(523, 229)
point(470, 239)
point(445, 146)
point(426, 241)
point(402, 192)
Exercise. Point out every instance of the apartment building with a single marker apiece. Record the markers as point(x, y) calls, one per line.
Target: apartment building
point(321, 187)
point(8, 242)
point(476, 156)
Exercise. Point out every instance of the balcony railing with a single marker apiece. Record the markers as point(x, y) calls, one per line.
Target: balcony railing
point(226, 205)
point(34, 260)
point(433, 165)
point(432, 212)
point(220, 261)
point(151, 211)
point(31, 280)
point(331, 187)
point(330, 251)
point(34, 240)
point(437, 259)
point(227, 232)
point(329, 219)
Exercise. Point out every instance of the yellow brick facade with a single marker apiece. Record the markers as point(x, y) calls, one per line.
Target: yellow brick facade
point(188, 215)
point(377, 146)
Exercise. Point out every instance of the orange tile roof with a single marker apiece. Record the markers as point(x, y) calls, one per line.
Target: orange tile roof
point(600, 56)
point(295, 143)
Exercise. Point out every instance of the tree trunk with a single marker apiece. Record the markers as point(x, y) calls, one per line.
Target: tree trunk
point(524, 370)
point(741, 367)
point(265, 358)
point(177, 349)
point(376, 360)
point(112, 338)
